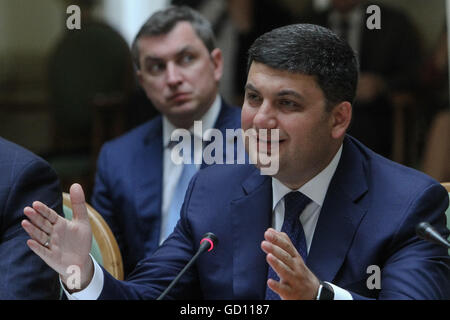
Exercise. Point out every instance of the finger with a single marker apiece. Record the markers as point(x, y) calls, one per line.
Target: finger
point(35, 233)
point(281, 240)
point(279, 253)
point(46, 212)
point(39, 249)
point(284, 272)
point(279, 288)
point(38, 220)
point(78, 202)
point(44, 253)
point(282, 287)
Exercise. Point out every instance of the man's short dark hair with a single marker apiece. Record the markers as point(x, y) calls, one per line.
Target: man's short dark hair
point(163, 21)
point(311, 50)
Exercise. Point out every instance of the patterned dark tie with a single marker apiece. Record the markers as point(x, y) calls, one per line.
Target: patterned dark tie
point(294, 204)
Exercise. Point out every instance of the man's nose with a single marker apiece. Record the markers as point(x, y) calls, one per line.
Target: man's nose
point(265, 118)
point(173, 74)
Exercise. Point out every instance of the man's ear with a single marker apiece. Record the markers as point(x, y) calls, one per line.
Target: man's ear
point(341, 118)
point(217, 60)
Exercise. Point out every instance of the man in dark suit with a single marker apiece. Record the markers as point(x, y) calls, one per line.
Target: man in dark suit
point(25, 177)
point(312, 230)
point(389, 59)
point(179, 67)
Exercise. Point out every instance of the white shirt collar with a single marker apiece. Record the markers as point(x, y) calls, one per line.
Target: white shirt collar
point(315, 189)
point(208, 121)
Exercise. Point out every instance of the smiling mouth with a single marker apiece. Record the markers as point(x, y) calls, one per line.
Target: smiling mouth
point(266, 145)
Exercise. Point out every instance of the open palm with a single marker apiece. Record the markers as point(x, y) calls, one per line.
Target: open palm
point(61, 243)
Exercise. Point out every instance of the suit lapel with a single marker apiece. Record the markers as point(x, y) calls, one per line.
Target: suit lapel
point(251, 216)
point(149, 183)
point(340, 215)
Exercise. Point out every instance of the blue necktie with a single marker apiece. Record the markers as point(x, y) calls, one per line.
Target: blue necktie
point(294, 204)
point(178, 197)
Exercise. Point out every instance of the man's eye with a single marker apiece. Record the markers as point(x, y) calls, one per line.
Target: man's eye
point(252, 96)
point(288, 103)
point(155, 68)
point(186, 59)
point(253, 99)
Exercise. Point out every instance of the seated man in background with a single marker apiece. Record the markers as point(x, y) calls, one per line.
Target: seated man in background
point(311, 230)
point(138, 189)
point(24, 178)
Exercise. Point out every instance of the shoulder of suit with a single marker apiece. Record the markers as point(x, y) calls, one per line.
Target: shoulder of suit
point(390, 173)
point(11, 152)
point(147, 130)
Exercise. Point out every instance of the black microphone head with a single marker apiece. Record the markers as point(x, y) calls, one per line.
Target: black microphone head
point(425, 231)
point(211, 239)
point(421, 230)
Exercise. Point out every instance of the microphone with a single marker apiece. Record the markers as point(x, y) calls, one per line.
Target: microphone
point(208, 242)
point(425, 231)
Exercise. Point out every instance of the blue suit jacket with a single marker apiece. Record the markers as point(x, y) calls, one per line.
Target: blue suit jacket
point(128, 185)
point(24, 178)
point(368, 218)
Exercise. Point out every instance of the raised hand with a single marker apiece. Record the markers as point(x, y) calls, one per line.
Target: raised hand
point(61, 243)
point(297, 282)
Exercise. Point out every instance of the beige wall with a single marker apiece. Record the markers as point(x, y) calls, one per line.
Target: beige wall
point(28, 30)
point(29, 25)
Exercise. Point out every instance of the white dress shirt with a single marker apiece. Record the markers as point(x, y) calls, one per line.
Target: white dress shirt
point(315, 189)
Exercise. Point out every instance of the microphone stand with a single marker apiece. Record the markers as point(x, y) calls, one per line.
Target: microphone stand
point(207, 243)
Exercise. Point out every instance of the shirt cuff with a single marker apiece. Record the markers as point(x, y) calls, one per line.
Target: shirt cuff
point(340, 294)
point(94, 288)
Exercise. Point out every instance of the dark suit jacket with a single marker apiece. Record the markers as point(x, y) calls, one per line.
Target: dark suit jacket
point(24, 178)
point(368, 218)
point(128, 185)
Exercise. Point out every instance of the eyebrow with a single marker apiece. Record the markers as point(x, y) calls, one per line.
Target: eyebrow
point(282, 93)
point(288, 92)
point(249, 86)
point(179, 53)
